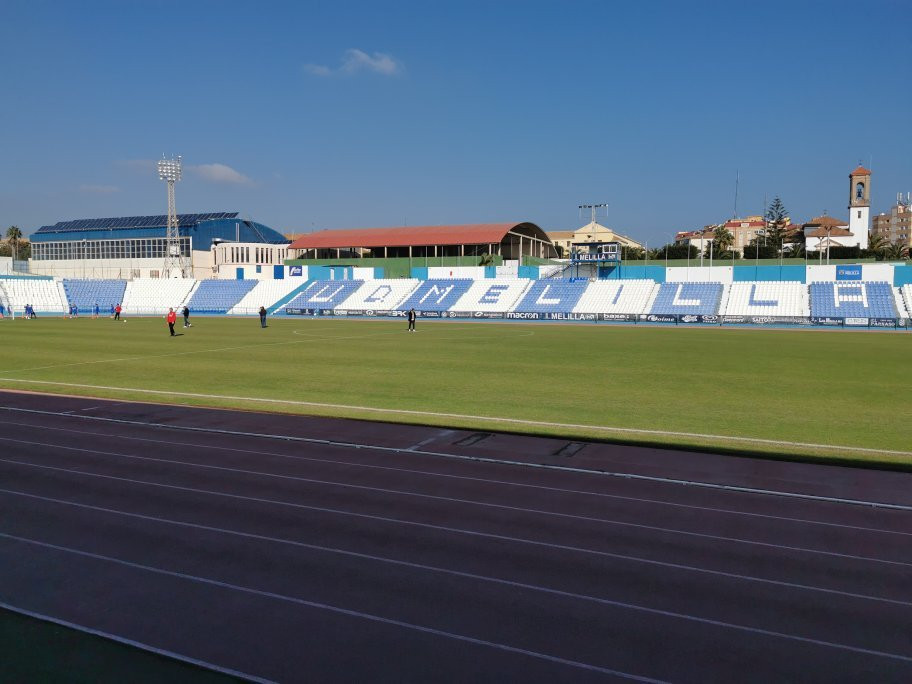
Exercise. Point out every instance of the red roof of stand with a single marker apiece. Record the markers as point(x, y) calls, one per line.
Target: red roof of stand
point(860, 171)
point(407, 236)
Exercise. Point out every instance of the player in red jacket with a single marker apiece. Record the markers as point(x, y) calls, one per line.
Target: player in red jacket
point(171, 318)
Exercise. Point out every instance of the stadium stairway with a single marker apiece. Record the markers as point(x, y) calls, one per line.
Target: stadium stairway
point(907, 298)
point(900, 302)
point(290, 297)
point(269, 293)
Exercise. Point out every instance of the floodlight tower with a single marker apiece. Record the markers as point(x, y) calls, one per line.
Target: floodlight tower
point(169, 170)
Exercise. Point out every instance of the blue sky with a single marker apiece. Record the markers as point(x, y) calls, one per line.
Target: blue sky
point(339, 115)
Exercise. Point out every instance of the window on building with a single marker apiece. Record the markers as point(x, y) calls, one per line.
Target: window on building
point(859, 213)
point(859, 190)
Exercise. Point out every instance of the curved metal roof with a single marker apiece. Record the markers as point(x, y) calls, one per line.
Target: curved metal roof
point(416, 236)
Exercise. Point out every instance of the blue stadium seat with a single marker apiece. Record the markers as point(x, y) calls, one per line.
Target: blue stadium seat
point(853, 300)
point(688, 298)
point(324, 294)
point(217, 296)
point(436, 295)
point(87, 293)
point(552, 296)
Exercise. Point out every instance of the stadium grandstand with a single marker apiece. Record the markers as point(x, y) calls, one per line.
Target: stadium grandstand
point(134, 246)
point(507, 240)
point(325, 291)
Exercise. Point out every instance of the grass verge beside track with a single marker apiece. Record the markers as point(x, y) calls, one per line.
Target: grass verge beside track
point(795, 393)
point(33, 650)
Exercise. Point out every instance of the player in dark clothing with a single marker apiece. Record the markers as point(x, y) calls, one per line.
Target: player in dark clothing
point(262, 316)
point(411, 320)
point(186, 313)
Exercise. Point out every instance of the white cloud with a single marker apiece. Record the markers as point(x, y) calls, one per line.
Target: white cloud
point(220, 173)
point(99, 189)
point(354, 61)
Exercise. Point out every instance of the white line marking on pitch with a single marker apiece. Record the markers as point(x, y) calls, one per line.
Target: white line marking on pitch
point(431, 473)
point(462, 416)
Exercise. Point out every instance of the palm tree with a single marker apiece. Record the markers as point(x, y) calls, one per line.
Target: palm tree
point(723, 239)
point(896, 252)
point(876, 245)
point(13, 236)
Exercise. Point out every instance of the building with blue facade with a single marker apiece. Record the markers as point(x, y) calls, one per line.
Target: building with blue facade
point(135, 246)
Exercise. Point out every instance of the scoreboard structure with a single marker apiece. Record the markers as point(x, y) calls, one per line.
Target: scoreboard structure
point(594, 259)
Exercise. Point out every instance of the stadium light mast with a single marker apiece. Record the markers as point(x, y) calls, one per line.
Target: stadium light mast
point(169, 170)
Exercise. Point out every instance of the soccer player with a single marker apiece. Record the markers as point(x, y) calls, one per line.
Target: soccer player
point(262, 316)
point(117, 312)
point(411, 320)
point(186, 313)
point(172, 319)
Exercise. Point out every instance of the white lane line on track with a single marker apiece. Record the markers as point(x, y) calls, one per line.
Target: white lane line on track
point(429, 473)
point(432, 438)
point(411, 523)
point(136, 644)
point(359, 614)
point(462, 416)
point(467, 502)
point(566, 594)
point(479, 459)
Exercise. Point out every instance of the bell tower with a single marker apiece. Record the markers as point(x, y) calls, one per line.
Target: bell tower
point(860, 204)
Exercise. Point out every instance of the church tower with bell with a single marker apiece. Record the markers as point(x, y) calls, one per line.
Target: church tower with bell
point(860, 204)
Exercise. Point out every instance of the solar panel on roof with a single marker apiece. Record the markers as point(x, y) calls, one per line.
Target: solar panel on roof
point(125, 222)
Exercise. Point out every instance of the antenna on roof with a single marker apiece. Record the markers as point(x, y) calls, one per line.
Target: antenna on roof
point(737, 182)
point(593, 210)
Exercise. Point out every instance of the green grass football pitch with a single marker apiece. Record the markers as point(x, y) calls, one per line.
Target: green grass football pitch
point(804, 393)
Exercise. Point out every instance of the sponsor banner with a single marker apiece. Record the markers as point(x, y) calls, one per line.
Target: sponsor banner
point(301, 312)
point(430, 314)
point(557, 316)
point(580, 256)
point(857, 322)
point(848, 272)
point(825, 320)
point(695, 318)
point(630, 318)
point(775, 320)
point(883, 322)
point(457, 314)
point(735, 319)
point(525, 315)
point(487, 314)
point(296, 271)
point(659, 318)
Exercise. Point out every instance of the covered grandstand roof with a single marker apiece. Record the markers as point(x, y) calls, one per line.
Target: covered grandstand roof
point(202, 228)
point(415, 236)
